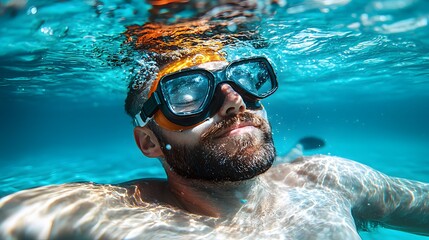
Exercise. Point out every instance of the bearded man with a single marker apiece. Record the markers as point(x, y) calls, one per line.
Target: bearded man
point(202, 117)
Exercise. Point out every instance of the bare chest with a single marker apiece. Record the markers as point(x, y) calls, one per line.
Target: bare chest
point(291, 214)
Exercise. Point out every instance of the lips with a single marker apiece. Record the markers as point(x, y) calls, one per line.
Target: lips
point(239, 124)
point(235, 129)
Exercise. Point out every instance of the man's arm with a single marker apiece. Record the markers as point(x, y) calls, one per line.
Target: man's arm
point(392, 202)
point(395, 203)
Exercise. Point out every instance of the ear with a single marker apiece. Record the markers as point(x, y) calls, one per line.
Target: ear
point(147, 142)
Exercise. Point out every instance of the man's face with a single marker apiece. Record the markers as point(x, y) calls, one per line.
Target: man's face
point(235, 144)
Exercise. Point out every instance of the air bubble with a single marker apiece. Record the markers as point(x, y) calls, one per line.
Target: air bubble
point(32, 10)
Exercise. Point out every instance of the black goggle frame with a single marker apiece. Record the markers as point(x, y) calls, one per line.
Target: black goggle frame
point(212, 103)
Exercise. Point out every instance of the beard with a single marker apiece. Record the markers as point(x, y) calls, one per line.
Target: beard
point(232, 158)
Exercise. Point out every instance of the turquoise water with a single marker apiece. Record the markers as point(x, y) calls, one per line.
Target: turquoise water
point(354, 73)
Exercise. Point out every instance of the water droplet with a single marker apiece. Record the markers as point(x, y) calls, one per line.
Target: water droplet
point(32, 10)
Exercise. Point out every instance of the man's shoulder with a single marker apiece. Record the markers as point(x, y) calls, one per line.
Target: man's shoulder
point(85, 193)
point(314, 163)
point(318, 171)
point(319, 159)
point(48, 198)
point(68, 209)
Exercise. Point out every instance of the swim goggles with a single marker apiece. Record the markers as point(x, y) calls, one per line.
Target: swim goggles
point(187, 97)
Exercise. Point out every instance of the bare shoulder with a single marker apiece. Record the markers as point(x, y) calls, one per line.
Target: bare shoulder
point(328, 165)
point(74, 199)
point(63, 194)
point(319, 165)
point(76, 211)
point(322, 171)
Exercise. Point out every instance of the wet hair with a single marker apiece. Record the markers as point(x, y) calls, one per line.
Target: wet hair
point(143, 85)
point(163, 43)
point(136, 97)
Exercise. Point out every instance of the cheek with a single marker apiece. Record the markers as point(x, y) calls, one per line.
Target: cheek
point(185, 138)
point(262, 113)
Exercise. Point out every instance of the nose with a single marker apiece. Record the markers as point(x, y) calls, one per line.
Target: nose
point(233, 102)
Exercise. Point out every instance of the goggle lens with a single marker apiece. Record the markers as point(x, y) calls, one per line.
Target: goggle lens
point(186, 94)
point(254, 77)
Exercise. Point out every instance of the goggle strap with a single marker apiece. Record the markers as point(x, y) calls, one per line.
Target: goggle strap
point(138, 121)
point(151, 105)
point(148, 110)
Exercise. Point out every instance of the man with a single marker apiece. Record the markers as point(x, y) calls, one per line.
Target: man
point(203, 119)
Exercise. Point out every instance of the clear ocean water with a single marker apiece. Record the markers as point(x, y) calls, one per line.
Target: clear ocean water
point(352, 72)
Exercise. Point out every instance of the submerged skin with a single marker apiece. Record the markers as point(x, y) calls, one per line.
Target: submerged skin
point(317, 197)
point(310, 198)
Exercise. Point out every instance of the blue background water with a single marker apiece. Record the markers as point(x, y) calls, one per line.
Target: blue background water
point(354, 73)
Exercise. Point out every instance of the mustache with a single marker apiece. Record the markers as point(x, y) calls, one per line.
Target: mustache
point(247, 117)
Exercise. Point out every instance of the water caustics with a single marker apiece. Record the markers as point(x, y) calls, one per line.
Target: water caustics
point(73, 52)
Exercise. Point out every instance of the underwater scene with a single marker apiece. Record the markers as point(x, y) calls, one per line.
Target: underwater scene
point(352, 73)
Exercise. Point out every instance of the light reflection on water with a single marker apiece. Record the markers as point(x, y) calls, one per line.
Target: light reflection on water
point(321, 40)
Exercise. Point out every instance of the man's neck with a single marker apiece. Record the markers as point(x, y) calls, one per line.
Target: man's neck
point(216, 199)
